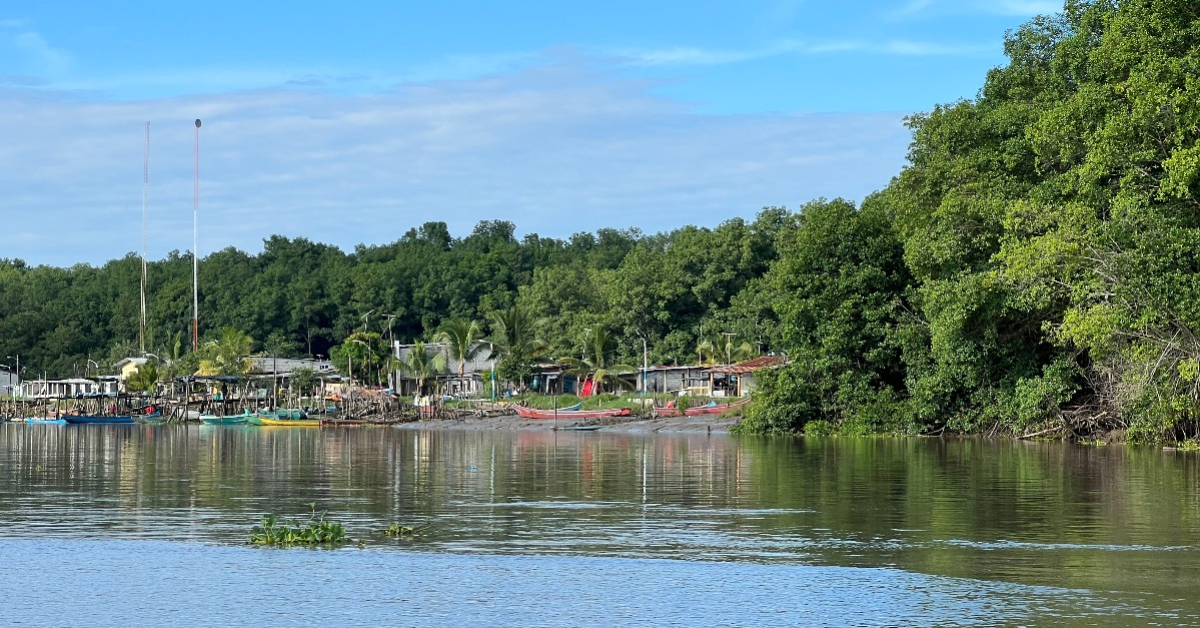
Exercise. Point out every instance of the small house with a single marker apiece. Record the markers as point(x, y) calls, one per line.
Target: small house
point(737, 380)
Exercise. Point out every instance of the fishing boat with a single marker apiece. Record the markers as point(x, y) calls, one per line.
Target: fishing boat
point(284, 414)
point(710, 408)
point(268, 421)
point(37, 420)
point(150, 418)
point(581, 428)
point(229, 419)
point(98, 420)
point(531, 413)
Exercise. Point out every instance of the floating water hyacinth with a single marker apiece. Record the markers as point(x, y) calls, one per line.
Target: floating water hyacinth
point(315, 531)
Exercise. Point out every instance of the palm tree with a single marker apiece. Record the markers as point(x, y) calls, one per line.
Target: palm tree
point(228, 354)
point(595, 363)
point(363, 353)
point(721, 349)
point(462, 338)
point(144, 379)
point(514, 339)
point(422, 364)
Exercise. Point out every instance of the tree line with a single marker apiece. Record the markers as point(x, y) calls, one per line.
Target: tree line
point(1032, 269)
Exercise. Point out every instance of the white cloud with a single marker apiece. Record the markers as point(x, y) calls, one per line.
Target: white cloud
point(556, 149)
point(695, 56)
point(699, 56)
point(30, 51)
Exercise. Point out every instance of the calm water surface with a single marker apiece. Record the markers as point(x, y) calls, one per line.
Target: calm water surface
point(147, 525)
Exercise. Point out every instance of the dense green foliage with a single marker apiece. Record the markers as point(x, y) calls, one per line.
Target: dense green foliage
point(1033, 268)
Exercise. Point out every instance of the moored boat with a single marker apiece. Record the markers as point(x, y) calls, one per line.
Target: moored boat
point(229, 419)
point(531, 413)
point(97, 420)
point(38, 420)
point(342, 422)
point(150, 418)
point(267, 421)
point(710, 408)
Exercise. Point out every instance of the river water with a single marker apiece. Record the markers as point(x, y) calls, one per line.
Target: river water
point(148, 525)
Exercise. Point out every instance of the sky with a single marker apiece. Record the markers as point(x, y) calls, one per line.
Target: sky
point(352, 122)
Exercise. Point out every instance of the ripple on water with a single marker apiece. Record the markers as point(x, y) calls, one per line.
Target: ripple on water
point(156, 583)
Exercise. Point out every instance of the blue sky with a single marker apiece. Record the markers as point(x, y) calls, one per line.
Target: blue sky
point(351, 122)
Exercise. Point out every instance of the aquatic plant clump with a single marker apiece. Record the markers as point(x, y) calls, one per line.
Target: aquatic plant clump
point(315, 531)
point(403, 532)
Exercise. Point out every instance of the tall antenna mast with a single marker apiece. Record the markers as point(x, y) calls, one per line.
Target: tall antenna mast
point(145, 205)
point(196, 241)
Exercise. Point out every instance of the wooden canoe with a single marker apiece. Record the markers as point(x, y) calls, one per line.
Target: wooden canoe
point(342, 422)
point(702, 410)
point(231, 419)
point(270, 422)
point(531, 413)
point(98, 420)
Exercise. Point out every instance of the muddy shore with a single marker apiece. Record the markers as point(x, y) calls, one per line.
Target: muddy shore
point(667, 425)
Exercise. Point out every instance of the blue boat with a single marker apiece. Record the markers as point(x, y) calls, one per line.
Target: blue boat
point(99, 420)
point(45, 421)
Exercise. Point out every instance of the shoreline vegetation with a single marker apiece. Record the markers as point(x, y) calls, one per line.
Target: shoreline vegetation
point(1031, 272)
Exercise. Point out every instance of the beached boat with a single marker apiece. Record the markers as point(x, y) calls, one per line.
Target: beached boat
point(229, 419)
point(531, 413)
point(710, 408)
point(98, 420)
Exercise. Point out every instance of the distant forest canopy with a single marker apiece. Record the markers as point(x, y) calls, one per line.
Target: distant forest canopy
point(673, 288)
point(1032, 270)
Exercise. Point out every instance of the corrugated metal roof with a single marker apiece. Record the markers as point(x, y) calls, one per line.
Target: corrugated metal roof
point(749, 366)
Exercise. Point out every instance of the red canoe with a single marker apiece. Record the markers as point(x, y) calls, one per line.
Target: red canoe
point(530, 413)
point(703, 410)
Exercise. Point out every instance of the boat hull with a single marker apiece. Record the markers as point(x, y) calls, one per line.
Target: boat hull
point(271, 422)
point(98, 420)
point(701, 410)
point(531, 413)
point(236, 419)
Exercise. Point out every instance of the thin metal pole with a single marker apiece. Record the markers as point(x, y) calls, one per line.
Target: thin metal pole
point(145, 205)
point(196, 241)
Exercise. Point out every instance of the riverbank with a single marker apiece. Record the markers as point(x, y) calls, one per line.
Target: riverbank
point(713, 424)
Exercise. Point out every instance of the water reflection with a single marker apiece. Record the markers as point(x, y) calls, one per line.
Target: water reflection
point(1115, 520)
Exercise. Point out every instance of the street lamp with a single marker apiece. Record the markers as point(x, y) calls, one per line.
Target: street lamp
point(18, 359)
point(645, 363)
point(92, 363)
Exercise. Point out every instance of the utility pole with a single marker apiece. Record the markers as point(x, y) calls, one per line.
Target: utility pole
point(145, 204)
point(391, 351)
point(645, 363)
point(728, 346)
point(196, 240)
